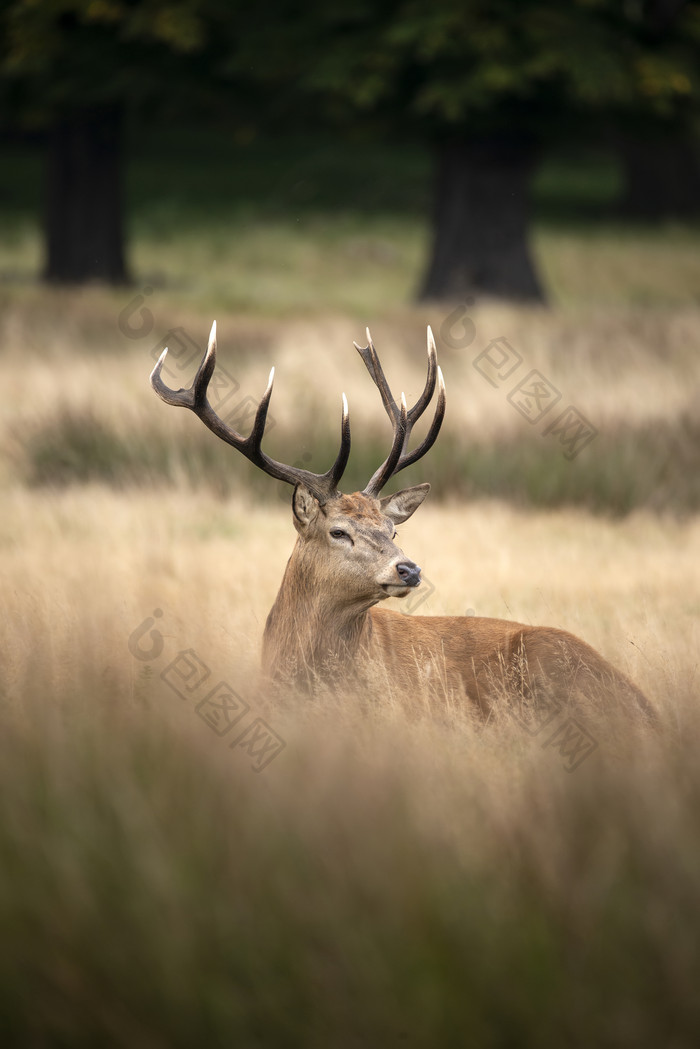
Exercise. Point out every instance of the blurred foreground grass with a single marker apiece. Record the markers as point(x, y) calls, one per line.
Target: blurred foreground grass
point(379, 885)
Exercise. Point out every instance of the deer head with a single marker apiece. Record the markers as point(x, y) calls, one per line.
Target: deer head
point(346, 542)
point(347, 545)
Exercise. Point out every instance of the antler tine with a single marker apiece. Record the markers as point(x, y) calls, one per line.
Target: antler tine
point(390, 465)
point(373, 365)
point(197, 392)
point(402, 420)
point(324, 486)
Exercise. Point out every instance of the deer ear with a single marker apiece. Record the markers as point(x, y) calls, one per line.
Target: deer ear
point(305, 506)
point(401, 505)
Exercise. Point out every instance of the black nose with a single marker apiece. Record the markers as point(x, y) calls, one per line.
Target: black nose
point(409, 573)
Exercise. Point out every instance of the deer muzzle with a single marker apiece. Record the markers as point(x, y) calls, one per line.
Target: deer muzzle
point(408, 573)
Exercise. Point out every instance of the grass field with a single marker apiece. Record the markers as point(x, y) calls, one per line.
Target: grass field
point(381, 874)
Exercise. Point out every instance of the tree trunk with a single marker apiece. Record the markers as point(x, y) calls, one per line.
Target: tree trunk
point(481, 217)
point(84, 228)
point(661, 177)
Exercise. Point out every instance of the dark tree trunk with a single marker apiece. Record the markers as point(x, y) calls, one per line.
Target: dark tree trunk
point(84, 228)
point(481, 219)
point(661, 177)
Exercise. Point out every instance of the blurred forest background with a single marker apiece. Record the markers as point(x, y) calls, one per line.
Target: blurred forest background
point(487, 118)
point(522, 176)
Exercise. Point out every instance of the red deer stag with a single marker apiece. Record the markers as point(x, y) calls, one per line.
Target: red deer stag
point(324, 625)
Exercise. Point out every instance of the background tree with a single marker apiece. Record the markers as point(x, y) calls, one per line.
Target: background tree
point(490, 85)
point(655, 131)
point(77, 68)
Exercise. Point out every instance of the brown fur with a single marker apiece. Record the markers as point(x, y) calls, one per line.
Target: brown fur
point(358, 507)
point(494, 660)
point(323, 628)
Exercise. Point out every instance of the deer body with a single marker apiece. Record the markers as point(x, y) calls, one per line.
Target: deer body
point(324, 626)
point(489, 659)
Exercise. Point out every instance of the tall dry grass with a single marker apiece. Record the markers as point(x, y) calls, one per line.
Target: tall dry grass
point(397, 874)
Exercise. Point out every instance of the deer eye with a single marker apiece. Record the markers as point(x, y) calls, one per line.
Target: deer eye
point(338, 533)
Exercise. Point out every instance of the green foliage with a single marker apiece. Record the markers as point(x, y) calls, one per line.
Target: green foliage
point(537, 67)
point(60, 54)
point(507, 65)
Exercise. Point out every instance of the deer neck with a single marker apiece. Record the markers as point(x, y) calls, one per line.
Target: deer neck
point(311, 633)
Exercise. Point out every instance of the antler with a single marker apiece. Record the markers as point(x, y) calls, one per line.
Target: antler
point(403, 420)
point(323, 486)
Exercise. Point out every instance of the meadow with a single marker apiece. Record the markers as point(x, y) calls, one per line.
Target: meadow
point(345, 870)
